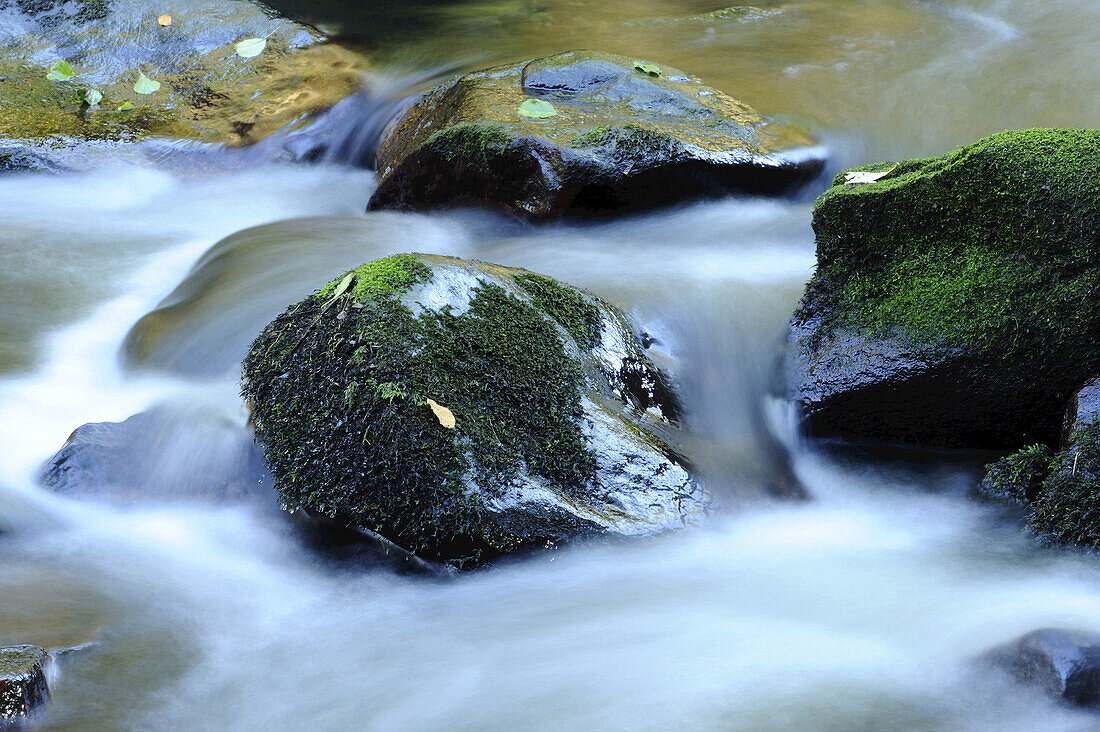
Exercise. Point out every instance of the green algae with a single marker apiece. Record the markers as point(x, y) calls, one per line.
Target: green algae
point(339, 398)
point(382, 277)
point(1067, 511)
point(1018, 477)
point(479, 143)
point(567, 306)
point(992, 246)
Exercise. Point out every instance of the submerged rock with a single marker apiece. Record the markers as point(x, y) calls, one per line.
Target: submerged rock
point(1061, 663)
point(463, 410)
point(19, 160)
point(618, 138)
point(954, 302)
point(207, 92)
point(167, 454)
point(23, 689)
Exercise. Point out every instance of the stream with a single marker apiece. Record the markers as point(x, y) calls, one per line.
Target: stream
point(142, 283)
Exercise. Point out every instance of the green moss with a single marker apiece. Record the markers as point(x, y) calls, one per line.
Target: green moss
point(592, 138)
point(20, 661)
point(1018, 477)
point(989, 247)
point(1068, 509)
point(478, 143)
point(380, 459)
point(381, 278)
point(567, 306)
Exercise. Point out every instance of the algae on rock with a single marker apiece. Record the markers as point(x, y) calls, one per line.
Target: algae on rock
point(620, 139)
point(555, 435)
point(207, 94)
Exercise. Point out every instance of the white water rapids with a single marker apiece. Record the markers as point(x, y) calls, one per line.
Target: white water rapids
point(860, 609)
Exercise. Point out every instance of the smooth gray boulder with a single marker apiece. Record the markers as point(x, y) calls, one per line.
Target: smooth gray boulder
point(1064, 664)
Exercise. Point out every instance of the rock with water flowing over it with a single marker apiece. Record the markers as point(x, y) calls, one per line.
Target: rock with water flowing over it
point(23, 689)
point(207, 91)
point(1062, 663)
point(463, 410)
point(954, 302)
point(609, 136)
point(168, 454)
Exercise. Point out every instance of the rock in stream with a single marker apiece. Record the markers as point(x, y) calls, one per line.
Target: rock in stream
point(463, 410)
point(618, 138)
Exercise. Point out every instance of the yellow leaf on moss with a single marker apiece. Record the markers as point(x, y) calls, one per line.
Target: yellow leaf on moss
point(165, 20)
point(444, 415)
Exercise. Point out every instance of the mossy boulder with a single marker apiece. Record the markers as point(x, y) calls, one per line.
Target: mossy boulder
point(563, 427)
point(619, 138)
point(207, 93)
point(955, 298)
point(23, 689)
point(1061, 491)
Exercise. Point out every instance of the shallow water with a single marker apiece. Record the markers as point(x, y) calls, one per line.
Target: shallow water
point(142, 284)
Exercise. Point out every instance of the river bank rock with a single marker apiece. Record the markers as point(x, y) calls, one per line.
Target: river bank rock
point(1061, 491)
point(167, 454)
point(463, 410)
point(207, 92)
point(954, 302)
point(1061, 663)
point(619, 138)
point(23, 689)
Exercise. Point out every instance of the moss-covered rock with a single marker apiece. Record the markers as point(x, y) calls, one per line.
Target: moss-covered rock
point(954, 301)
point(560, 428)
point(207, 92)
point(1018, 478)
point(620, 139)
point(1061, 491)
point(23, 689)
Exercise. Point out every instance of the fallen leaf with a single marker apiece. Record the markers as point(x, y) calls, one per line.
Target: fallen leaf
point(145, 85)
point(60, 71)
point(343, 286)
point(537, 108)
point(444, 415)
point(866, 176)
point(125, 105)
point(251, 47)
point(164, 21)
point(651, 69)
point(91, 97)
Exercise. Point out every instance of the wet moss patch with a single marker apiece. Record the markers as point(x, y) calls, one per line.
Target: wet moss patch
point(567, 306)
point(339, 399)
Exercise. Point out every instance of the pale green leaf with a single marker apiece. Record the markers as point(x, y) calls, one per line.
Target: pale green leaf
point(91, 97)
point(251, 47)
point(537, 108)
point(343, 286)
point(651, 69)
point(60, 71)
point(125, 105)
point(866, 176)
point(145, 85)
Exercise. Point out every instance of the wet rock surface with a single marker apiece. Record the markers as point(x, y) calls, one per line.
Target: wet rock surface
point(1062, 663)
point(207, 92)
point(619, 139)
point(23, 689)
point(168, 454)
point(562, 426)
point(954, 300)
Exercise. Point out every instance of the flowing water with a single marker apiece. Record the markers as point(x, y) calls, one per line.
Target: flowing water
point(141, 284)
